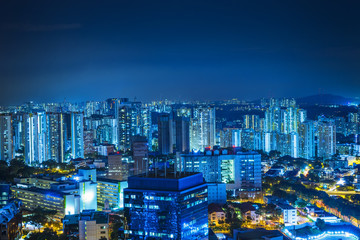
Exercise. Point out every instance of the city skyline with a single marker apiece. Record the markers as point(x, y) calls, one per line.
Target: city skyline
point(179, 120)
point(203, 50)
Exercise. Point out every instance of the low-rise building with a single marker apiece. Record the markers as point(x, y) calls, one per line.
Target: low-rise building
point(111, 190)
point(248, 212)
point(216, 214)
point(289, 214)
point(88, 225)
point(11, 221)
point(315, 213)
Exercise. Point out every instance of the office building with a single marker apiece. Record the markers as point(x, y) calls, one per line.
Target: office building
point(65, 197)
point(62, 203)
point(182, 134)
point(166, 135)
point(117, 169)
point(241, 171)
point(166, 207)
point(112, 191)
point(140, 152)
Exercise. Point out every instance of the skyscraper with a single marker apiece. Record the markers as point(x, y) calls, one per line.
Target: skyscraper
point(129, 122)
point(140, 153)
point(117, 169)
point(166, 135)
point(77, 135)
point(202, 128)
point(307, 140)
point(326, 139)
point(6, 142)
point(57, 134)
point(252, 122)
point(166, 207)
point(182, 132)
point(35, 129)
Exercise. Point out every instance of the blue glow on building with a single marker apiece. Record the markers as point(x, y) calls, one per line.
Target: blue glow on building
point(166, 208)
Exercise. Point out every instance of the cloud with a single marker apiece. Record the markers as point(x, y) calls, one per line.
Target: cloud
point(40, 27)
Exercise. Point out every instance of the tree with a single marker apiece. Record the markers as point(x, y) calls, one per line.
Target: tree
point(320, 223)
point(40, 217)
point(274, 154)
point(50, 164)
point(47, 234)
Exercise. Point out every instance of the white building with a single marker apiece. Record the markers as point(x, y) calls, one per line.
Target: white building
point(93, 225)
point(289, 214)
point(202, 128)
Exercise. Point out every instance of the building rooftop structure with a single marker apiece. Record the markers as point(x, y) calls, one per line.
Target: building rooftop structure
point(162, 182)
point(285, 206)
point(9, 211)
point(214, 208)
point(258, 234)
point(87, 215)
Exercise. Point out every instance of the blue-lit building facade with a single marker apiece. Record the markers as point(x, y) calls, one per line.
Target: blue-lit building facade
point(172, 207)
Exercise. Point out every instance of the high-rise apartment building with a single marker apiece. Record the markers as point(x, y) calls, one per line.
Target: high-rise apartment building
point(77, 135)
point(326, 139)
point(307, 140)
point(56, 136)
point(202, 128)
point(252, 122)
point(35, 137)
point(6, 137)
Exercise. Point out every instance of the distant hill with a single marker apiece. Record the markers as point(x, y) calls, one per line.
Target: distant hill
point(326, 99)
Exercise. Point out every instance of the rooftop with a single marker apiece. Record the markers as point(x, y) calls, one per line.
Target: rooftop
point(87, 215)
point(213, 207)
point(285, 206)
point(169, 183)
point(257, 234)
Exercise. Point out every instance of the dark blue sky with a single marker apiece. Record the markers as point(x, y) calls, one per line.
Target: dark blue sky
point(84, 50)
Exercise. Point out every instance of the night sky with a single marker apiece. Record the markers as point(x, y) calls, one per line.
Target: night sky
point(92, 50)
